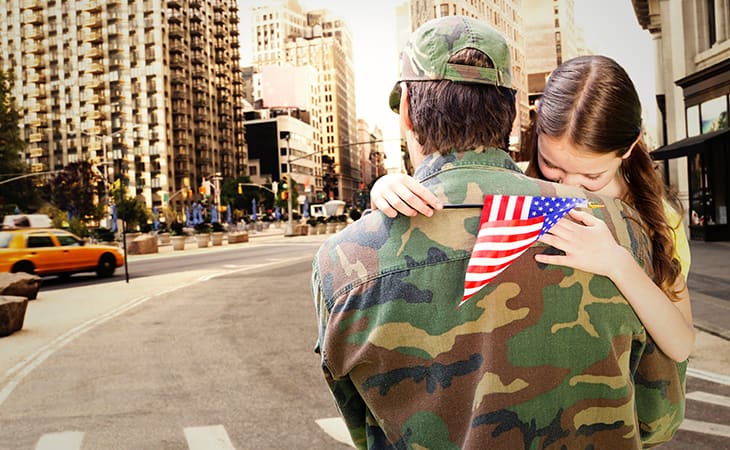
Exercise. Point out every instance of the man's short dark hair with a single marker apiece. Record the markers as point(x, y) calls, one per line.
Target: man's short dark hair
point(448, 115)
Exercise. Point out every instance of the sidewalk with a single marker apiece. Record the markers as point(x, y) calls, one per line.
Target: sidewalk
point(709, 286)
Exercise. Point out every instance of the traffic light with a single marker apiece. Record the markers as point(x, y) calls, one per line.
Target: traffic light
point(240, 189)
point(284, 195)
point(284, 182)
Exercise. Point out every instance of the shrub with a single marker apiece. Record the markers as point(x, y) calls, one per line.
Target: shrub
point(202, 228)
point(217, 226)
point(176, 229)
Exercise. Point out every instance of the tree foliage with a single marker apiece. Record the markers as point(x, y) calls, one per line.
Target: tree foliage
point(131, 210)
point(75, 189)
point(20, 192)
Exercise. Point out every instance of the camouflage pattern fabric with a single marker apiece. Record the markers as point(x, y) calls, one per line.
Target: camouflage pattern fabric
point(542, 357)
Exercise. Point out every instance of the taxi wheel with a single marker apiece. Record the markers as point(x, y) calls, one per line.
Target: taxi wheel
point(23, 266)
point(106, 267)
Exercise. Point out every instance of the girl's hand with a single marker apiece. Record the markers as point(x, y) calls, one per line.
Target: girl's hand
point(398, 193)
point(587, 242)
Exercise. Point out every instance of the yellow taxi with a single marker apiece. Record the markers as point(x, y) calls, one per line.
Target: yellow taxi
point(51, 251)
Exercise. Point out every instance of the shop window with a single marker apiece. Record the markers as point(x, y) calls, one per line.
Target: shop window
point(693, 121)
point(714, 114)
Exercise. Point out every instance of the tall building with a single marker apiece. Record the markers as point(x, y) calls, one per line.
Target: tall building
point(552, 36)
point(283, 33)
point(150, 90)
point(506, 17)
point(692, 45)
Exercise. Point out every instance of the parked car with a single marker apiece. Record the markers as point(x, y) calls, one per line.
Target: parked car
point(51, 251)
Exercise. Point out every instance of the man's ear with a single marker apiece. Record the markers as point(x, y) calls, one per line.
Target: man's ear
point(404, 110)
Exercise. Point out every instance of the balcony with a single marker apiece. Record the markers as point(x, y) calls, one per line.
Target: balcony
point(197, 29)
point(32, 32)
point(35, 137)
point(35, 152)
point(95, 68)
point(31, 17)
point(178, 47)
point(176, 31)
point(32, 4)
point(91, 36)
point(37, 167)
point(91, 5)
point(92, 21)
point(38, 76)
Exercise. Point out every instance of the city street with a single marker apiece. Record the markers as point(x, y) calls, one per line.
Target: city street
point(212, 349)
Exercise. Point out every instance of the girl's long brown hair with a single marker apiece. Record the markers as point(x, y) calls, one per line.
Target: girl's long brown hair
point(592, 101)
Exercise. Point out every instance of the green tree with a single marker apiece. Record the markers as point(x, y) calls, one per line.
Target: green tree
point(75, 190)
point(131, 210)
point(20, 192)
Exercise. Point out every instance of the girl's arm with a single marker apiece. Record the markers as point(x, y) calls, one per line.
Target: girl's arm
point(398, 193)
point(589, 246)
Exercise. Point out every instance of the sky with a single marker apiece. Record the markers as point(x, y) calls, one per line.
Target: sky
point(372, 24)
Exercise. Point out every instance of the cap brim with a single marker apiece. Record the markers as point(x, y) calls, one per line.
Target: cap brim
point(394, 99)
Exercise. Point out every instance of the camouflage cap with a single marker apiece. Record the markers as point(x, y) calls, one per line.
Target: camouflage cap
point(427, 52)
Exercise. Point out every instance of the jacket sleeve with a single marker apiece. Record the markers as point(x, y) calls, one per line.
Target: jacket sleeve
point(347, 399)
point(659, 384)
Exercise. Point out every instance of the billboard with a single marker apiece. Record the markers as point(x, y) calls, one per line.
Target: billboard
point(287, 86)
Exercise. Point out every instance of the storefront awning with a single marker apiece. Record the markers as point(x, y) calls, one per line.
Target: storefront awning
point(689, 146)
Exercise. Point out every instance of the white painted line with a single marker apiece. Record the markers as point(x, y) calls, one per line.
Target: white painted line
point(706, 397)
point(336, 429)
point(714, 429)
point(66, 440)
point(709, 376)
point(208, 438)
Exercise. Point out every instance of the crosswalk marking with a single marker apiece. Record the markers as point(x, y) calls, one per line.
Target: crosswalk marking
point(697, 426)
point(208, 438)
point(66, 440)
point(335, 427)
point(706, 397)
point(708, 376)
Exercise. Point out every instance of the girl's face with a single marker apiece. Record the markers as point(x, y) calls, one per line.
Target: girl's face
point(564, 162)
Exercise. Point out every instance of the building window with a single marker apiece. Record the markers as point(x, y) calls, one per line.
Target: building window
point(711, 22)
point(444, 10)
point(714, 114)
point(693, 121)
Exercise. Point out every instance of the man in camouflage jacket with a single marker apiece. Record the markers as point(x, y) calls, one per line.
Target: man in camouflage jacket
point(542, 357)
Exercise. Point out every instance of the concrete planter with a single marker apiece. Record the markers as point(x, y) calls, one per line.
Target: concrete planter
point(238, 236)
point(164, 238)
point(178, 242)
point(202, 239)
point(217, 238)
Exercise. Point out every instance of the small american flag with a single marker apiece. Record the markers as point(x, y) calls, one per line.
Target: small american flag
point(509, 225)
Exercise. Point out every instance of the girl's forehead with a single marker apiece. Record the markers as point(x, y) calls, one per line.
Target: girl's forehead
point(567, 155)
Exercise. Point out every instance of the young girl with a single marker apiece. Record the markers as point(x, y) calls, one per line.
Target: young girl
point(587, 133)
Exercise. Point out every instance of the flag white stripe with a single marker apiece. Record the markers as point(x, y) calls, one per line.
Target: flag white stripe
point(477, 276)
point(509, 230)
point(501, 246)
point(494, 209)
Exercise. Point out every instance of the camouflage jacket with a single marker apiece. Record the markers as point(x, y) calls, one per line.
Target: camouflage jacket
point(542, 357)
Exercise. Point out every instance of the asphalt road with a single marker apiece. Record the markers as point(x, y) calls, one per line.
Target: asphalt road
point(225, 361)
